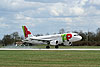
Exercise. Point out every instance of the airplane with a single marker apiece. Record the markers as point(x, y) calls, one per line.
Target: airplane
point(56, 39)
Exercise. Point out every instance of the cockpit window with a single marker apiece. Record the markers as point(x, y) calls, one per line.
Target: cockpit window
point(76, 35)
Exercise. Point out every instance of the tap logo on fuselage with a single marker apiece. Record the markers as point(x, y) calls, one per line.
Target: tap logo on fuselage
point(66, 37)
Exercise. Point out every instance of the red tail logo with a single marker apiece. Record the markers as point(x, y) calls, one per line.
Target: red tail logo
point(26, 32)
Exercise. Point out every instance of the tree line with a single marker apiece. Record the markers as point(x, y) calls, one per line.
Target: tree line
point(10, 39)
point(88, 38)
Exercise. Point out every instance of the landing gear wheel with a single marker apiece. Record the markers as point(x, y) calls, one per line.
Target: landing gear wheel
point(70, 43)
point(24, 44)
point(47, 47)
point(56, 46)
point(30, 44)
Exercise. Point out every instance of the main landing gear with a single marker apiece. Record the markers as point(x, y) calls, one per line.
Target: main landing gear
point(56, 46)
point(47, 47)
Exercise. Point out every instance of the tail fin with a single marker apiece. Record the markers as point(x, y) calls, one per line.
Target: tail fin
point(26, 32)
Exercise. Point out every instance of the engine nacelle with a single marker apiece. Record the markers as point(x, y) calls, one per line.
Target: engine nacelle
point(54, 42)
point(67, 43)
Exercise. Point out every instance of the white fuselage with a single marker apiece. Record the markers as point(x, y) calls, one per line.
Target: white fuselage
point(53, 39)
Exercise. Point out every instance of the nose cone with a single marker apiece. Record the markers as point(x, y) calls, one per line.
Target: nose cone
point(76, 38)
point(79, 38)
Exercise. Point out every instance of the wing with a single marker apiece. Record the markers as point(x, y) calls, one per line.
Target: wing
point(43, 40)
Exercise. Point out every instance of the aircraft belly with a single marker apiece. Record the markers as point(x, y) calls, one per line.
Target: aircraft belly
point(37, 42)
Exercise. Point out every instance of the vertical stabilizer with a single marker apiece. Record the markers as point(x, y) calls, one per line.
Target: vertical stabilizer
point(26, 32)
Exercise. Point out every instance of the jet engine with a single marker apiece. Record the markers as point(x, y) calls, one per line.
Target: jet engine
point(67, 43)
point(54, 42)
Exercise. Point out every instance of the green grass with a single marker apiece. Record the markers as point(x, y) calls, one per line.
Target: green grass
point(65, 47)
point(49, 58)
point(53, 47)
point(80, 47)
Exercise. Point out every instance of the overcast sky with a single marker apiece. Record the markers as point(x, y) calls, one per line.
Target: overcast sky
point(48, 16)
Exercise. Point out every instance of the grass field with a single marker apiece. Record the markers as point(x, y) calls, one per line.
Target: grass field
point(44, 46)
point(49, 58)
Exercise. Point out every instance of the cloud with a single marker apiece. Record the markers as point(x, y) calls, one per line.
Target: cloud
point(68, 19)
point(22, 17)
point(49, 15)
point(40, 9)
point(55, 10)
point(94, 2)
point(46, 1)
point(83, 2)
point(77, 10)
point(2, 24)
point(19, 5)
point(1, 19)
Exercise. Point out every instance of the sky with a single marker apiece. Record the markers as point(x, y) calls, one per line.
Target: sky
point(48, 16)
